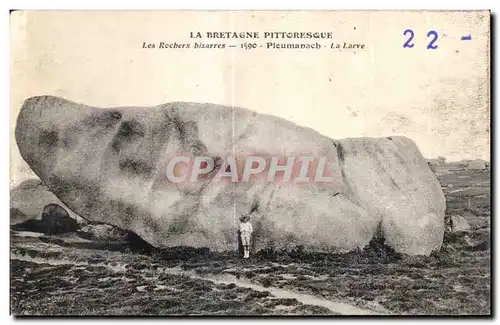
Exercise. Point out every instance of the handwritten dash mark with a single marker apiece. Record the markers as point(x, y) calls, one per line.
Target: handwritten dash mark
point(466, 38)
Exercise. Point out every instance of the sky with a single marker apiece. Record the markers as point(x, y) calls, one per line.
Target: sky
point(439, 98)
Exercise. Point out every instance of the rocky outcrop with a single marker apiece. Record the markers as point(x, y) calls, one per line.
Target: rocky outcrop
point(114, 236)
point(29, 198)
point(55, 220)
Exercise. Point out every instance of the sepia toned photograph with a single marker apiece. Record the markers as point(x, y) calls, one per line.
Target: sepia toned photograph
point(250, 163)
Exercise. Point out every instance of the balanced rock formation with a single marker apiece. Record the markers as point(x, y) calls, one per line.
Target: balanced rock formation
point(109, 165)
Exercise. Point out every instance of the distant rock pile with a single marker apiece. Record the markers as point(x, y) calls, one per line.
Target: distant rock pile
point(55, 220)
point(28, 199)
point(477, 164)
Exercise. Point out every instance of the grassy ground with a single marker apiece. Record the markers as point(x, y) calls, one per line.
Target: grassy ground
point(63, 275)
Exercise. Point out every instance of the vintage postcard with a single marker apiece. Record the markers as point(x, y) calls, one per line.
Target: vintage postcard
point(250, 163)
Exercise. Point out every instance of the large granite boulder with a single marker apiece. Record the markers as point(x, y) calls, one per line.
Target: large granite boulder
point(108, 165)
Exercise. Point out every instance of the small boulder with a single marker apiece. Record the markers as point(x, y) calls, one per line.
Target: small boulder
point(108, 234)
point(57, 219)
point(103, 233)
point(458, 223)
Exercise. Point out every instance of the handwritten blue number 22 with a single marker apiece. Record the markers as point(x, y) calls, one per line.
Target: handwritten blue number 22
point(430, 46)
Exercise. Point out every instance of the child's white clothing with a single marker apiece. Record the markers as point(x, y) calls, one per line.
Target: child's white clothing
point(246, 230)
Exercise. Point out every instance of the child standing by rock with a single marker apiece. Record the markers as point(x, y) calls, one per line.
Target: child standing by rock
point(246, 230)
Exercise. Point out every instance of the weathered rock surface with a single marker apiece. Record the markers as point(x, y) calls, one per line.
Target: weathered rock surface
point(112, 235)
point(102, 233)
point(17, 216)
point(108, 165)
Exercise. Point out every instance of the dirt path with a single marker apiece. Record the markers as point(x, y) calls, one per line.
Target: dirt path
point(335, 307)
